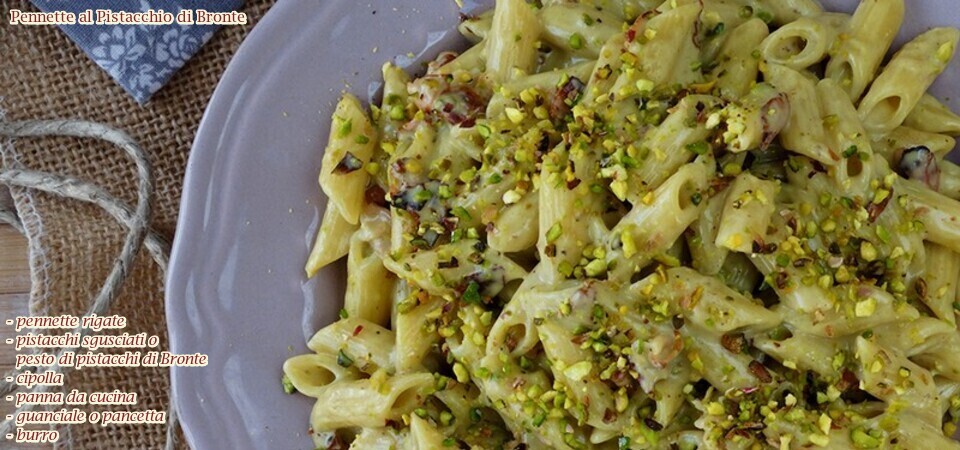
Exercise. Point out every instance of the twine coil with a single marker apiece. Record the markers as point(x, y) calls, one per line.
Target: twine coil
point(136, 220)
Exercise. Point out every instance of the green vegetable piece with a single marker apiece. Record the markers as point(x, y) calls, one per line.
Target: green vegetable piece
point(397, 112)
point(554, 232)
point(344, 129)
point(699, 148)
point(472, 293)
point(861, 439)
point(343, 360)
point(287, 385)
point(716, 30)
point(576, 41)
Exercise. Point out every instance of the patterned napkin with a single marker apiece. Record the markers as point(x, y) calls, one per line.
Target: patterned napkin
point(141, 58)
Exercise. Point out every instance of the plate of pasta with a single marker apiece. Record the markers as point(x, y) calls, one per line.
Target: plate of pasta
point(595, 224)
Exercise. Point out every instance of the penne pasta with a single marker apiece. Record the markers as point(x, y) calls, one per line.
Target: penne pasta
point(859, 52)
point(578, 29)
point(746, 213)
point(511, 49)
point(632, 224)
point(932, 116)
point(332, 241)
point(737, 68)
point(800, 44)
point(845, 132)
point(891, 96)
point(352, 139)
point(805, 133)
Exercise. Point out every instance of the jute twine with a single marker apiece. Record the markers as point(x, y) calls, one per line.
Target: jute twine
point(136, 221)
point(86, 209)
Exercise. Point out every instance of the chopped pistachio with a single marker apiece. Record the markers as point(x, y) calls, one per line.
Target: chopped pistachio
point(576, 41)
point(468, 175)
point(446, 418)
point(897, 252)
point(565, 268)
point(861, 439)
point(515, 115)
point(883, 234)
point(715, 409)
point(484, 131)
point(461, 372)
point(287, 385)
point(444, 191)
point(732, 169)
point(579, 370)
point(866, 308)
point(843, 275)
point(472, 293)
point(539, 418)
point(397, 112)
point(825, 199)
point(820, 440)
point(619, 188)
point(344, 129)
point(824, 422)
point(596, 268)
point(644, 86)
point(867, 251)
point(629, 245)
point(880, 195)
point(699, 148)
point(790, 400)
point(783, 260)
point(897, 287)
point(512, 196)
point(825, 281)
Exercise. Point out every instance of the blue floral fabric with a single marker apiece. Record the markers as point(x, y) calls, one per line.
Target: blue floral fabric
point(141, 58)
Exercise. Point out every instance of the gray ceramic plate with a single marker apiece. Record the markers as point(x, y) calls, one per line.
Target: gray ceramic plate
point(251, 204)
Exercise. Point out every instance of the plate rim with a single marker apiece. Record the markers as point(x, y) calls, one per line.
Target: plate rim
point(199, 167)
point(237, 98)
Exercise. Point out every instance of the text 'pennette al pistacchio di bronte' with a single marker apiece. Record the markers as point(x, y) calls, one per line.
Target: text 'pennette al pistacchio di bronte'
point(111, 17)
